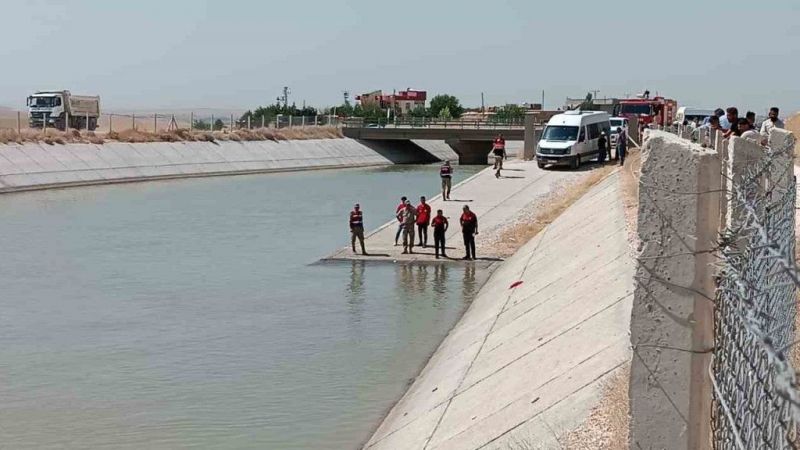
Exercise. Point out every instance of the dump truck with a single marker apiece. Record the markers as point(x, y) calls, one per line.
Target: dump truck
point(61, 109)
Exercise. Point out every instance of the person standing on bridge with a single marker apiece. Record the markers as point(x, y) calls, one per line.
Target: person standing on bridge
point(408, 217)
point(499, 150)
point(469, 228)
point(440, 226)
point(357, 228)
point(423, 220)
point(397, 212)
point(446, 173)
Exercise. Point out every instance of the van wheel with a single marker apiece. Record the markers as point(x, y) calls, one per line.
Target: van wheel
point(540, 164)
point(576, 162)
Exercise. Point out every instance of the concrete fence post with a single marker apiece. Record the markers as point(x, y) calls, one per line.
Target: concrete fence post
point(110, 123)
point(530, 138)
point(155, 123)
point(19, 124)
point(303, 121)
point(262, 120)
point(66, 120)
point(133, 121)
point(212, 123)
point(231, 126)
point(87, 121)
point(191, 121)
point(249, 122)
point(316, 120)
point(672, 314)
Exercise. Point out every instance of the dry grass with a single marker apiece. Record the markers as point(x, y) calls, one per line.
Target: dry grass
point(630, 194)
point(512, 238)
point(608, 423)
point(181, 135)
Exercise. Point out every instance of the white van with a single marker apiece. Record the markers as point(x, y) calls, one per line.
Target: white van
point(571, 137)
point(689, 114)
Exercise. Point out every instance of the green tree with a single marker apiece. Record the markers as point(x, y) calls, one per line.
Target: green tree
point(219, 124)
point(419, 111)
point(445, 113)
point(439, 102)
point(510, 112)
point(201, 125)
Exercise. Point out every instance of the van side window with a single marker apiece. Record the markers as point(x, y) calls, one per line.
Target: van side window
point(582, 135)
point(594, 131)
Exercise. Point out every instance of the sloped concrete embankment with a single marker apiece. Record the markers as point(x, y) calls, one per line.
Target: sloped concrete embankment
point(525, 365)
point(40, 166)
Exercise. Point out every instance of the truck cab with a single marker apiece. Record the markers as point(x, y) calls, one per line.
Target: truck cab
point(61, 109)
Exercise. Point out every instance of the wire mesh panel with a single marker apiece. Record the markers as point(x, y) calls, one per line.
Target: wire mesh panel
point(755, 397)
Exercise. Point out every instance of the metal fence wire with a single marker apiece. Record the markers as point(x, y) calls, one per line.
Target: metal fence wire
point(756, 404)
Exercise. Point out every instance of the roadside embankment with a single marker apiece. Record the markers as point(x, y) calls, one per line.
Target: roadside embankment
point(31, 166)
point(525, 365)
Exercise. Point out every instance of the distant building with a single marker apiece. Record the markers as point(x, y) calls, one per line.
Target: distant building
point(403, 102)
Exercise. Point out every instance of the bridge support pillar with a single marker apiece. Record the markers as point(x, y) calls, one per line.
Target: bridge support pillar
point(471, 152)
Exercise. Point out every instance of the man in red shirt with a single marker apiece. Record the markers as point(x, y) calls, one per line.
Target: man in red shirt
point(440, 226)
point(397, 212)
point(469, 228)
point(423, 220)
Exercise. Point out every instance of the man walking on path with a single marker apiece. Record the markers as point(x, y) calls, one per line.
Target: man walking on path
point(423, 220)
point(397, 212)
point(622, 145)
point(440, 226)
point(408, 217)
point(469, 228)
point(446, 172)
point(357, 228)
point(499, 150)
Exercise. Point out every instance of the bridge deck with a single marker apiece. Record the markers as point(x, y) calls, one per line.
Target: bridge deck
point(495, 201)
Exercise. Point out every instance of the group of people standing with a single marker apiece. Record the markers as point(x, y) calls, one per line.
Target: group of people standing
point(410, 217)
point(604, 145)
point(413, 223)
point(730, 124)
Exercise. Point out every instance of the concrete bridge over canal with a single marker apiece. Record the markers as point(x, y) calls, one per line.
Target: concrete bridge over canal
point(471, 140)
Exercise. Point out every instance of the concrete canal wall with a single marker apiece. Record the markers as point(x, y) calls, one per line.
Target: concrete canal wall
point(39, 166)
point(525, 365)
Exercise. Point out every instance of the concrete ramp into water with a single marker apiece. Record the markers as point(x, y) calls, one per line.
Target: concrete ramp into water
point(527, 364)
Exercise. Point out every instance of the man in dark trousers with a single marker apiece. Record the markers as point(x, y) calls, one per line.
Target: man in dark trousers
point(423, 220)
point(440, 226)
point(601, 147)
point(469, 228)
point(357, 228)
point(622, 145)
point(446, 173)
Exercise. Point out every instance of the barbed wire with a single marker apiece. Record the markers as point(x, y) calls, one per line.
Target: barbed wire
point(756, 403)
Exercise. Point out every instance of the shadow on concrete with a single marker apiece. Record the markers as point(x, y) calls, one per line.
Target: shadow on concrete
point(506, 176)
point(458, 200)
point(400, 151)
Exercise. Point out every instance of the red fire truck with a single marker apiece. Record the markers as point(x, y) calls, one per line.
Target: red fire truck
point(657, 110)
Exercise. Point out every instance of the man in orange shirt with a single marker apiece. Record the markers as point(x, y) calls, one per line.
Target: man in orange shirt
point(423, 220)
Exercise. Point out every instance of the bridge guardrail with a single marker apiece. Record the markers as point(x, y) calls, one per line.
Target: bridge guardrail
point(423, 122)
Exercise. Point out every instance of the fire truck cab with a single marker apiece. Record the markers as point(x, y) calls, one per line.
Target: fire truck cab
point(657, 110)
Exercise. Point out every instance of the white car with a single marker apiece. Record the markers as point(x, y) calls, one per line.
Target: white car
point(617, 122)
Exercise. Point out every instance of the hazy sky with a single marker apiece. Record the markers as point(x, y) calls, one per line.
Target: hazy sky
point(238, 54)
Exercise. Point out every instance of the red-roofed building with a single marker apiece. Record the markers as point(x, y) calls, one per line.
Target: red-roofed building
point(403, 101)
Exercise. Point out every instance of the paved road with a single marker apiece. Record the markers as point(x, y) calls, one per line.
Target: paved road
point(495, 201)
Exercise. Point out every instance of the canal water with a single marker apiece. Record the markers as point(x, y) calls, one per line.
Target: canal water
point(188, 313)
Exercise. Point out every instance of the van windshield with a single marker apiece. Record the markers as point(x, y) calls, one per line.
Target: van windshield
point(560, 133)
point(616, 123)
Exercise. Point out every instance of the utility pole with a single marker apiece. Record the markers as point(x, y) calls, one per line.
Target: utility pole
point(483, 106)
point(594, 93)
point(542, 99)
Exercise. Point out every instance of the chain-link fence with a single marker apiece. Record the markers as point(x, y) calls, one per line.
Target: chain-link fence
point(756, 403)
